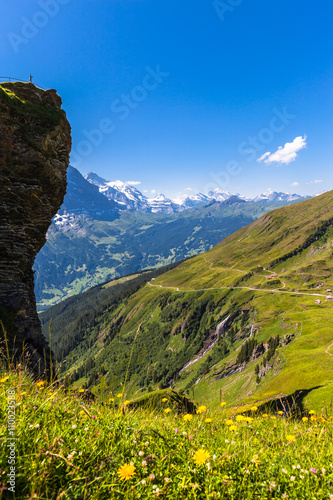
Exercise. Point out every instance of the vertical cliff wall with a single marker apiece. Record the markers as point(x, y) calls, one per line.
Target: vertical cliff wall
point(35, 142)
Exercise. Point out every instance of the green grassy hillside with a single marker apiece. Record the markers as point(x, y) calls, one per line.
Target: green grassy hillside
point(242, 322)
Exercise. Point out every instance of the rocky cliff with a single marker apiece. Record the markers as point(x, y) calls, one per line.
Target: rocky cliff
point(35, 142)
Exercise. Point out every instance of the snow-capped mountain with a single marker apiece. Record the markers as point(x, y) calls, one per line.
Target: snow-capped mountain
point(161, 204)
point(194, 200)
point(83, 198)
point(271, 196)
point(126, 195)
point(219, 194)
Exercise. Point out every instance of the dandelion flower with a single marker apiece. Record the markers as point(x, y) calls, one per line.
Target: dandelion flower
point(187, 417)
point(167, 410)
point(223, 403)
point(265, 415)
point(305, 419)
point(164, 400)
point(111, 400)
point(233, 428)
point(312, 412)
point(201, 409)
point(291, 438)
point(208, 420)
point(248, 419)
point(255, 459)
point(280, 412)
point(126, 471)
point(119, 395)
point(313, 418)
point(81, 390)
point(254, 408)
point(82, 412)
point(127, 402)
point(200, 456)
point(4, 379)
point(240, 418)
point(229, 422)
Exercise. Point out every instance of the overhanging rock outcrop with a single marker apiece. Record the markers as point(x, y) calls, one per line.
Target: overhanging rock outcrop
point(35, 142)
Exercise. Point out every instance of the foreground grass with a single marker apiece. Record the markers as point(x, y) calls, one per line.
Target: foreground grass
point(68, 448)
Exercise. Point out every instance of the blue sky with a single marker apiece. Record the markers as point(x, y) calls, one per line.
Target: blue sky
point(188, 94)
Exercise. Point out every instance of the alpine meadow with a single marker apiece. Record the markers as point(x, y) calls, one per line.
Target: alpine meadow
point(166, 250)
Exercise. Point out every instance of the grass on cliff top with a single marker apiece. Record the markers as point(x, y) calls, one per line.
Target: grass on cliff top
point(69, 448)
point(44, 115)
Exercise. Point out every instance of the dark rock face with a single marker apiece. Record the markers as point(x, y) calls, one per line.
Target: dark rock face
point(35, 142)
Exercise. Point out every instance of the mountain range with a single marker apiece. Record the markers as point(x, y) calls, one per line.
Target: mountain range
point(250, 320)
point(129, 197)
point(100, 233)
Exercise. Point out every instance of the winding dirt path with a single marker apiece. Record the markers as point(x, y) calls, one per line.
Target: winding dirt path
point(329, 347)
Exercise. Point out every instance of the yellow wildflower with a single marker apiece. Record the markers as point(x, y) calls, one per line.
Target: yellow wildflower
point(167, 410)
point(229, 422)
point(164, 400)
point(248, 419)
point(187, 417)
point(233, 428)
point(223, 403)
point(255, 459)
point(40, 383)
point(120, 396)
point(240, 418)
point(201, 456)
point(111, 400)
point(265, 415)
point(126, 471)
point(127, 402)
point(312, 412)
point(254, 408)
point(305, 419)
point(82, 412)
point(208, 420)
point(201, 409)
point(291, 438)
point(4, 379)
point(313, 418)
point(81, 390)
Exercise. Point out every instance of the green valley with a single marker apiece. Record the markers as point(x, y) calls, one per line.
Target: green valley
point(83, 251)
point(248, 321)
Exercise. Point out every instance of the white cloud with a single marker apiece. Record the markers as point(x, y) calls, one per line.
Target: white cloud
point(264, 156)
point(188, 189)
point(285, 154)
point(133, 183)
point(295, 184)
point(316, 181)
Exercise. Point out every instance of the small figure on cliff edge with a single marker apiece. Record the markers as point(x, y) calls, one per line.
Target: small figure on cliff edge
point(30, 78)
